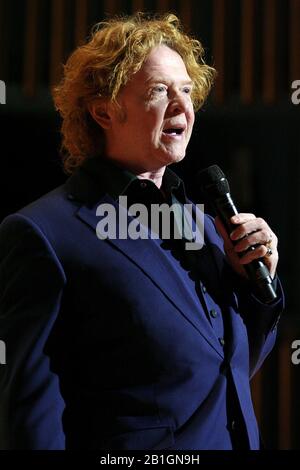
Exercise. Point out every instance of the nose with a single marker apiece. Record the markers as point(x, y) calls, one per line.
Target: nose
point(179, 103)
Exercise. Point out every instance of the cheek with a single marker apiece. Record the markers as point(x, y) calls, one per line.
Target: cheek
point(191, 114)
point(191, 121)
point(155, 127)
point(156, 113)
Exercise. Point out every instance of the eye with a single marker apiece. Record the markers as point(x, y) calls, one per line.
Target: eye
point(187, 90)
point(158, 89)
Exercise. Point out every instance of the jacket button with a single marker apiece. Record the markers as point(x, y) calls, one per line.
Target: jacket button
point(213, 313)
point(204, 290)
point(143, 184)
point(222, 341)
point(233, 425)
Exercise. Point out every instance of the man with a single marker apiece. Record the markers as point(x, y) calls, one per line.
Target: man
point(121, 343)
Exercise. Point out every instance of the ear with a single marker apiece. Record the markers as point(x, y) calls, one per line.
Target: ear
point(99, 110)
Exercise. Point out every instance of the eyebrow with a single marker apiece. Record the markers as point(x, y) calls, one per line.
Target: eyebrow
point(166, 80)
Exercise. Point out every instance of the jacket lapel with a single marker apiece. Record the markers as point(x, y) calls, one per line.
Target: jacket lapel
point(89, 188)
point(147, 255)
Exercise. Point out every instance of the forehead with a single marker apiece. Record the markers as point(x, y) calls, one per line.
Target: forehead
point(161, 65)
point(164, 60)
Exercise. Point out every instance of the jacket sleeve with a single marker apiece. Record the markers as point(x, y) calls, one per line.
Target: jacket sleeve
point(260, 319)
point(31, 285)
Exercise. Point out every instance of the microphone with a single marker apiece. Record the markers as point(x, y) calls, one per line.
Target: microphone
point(215, 186)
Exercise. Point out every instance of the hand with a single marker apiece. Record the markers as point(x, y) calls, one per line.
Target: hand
point(250, 231)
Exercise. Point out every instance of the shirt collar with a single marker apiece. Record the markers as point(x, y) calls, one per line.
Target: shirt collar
point(117, 180)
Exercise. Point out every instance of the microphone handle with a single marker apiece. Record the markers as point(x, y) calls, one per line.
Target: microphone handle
point(256, 270)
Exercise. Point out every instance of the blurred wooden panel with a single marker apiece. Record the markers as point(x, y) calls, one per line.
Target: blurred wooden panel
point(163, 6)
point(294, 40)
point(138, 5)
point(218, 48)
point(81, 15)
point(269, 51)
point(57, 40)
point(284, 394)
point(3, 35)
point(30, 80)
point(185, 13)
point(253, 20)
point(247, 51)
point(111, 7)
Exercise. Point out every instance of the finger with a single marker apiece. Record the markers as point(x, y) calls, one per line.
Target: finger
point(259, 252)
point(249, 227)
point(260, 237)
point(241, 218)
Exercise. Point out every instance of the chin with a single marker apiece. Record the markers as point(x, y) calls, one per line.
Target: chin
point(167, 158)
point(175, 158)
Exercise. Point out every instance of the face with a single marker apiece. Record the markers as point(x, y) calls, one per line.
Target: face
point(158, 114)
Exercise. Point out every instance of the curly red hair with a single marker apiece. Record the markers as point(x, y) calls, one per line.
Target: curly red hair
point(101, 67)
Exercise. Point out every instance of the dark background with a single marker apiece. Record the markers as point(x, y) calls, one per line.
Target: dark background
point(249, 127)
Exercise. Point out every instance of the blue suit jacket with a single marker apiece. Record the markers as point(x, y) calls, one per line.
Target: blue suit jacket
point(105, 347)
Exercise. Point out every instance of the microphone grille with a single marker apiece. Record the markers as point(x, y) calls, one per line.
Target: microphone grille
point(213, 181)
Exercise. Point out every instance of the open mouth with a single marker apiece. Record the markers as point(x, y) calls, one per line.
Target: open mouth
point(174, 131)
